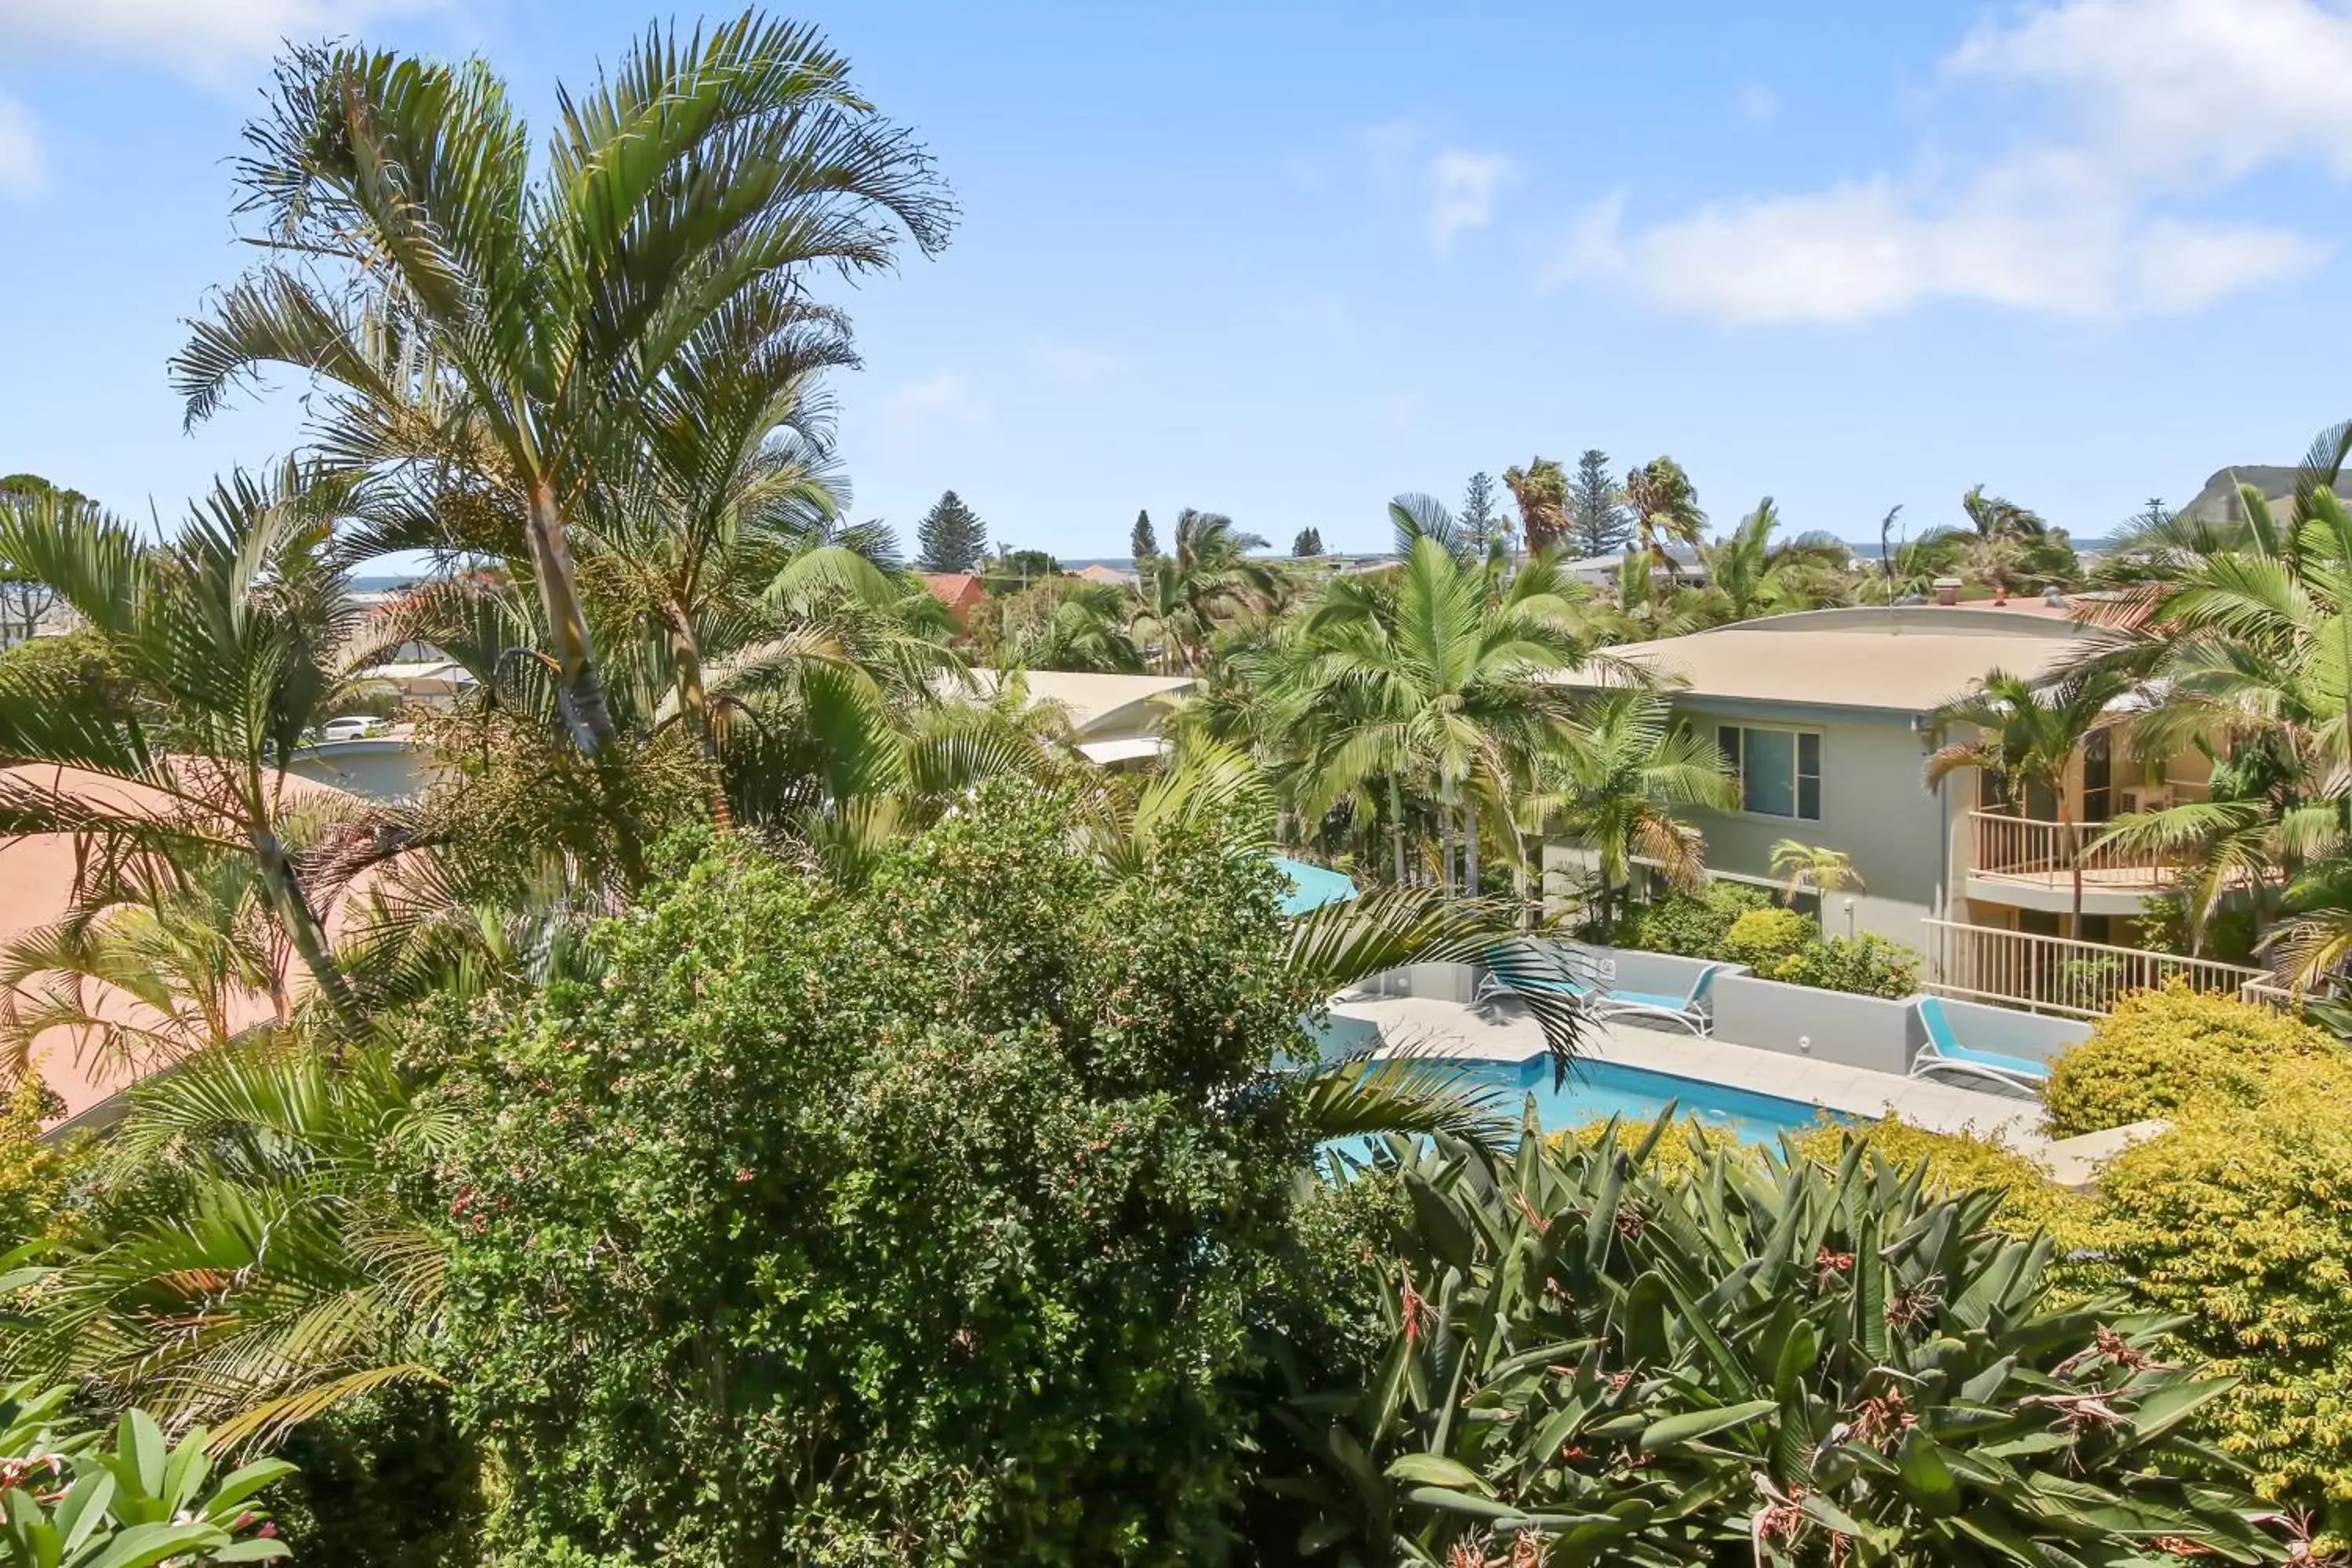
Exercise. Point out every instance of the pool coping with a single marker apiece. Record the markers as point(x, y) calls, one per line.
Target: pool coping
point(1456, 1029)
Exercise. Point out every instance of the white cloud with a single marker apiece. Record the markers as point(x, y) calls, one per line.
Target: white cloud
point(1758, 104)
point(198, 36)
point(944, 397)
point(2133, 107)
point(1075, 364)
point(1463, 186)
point(24, 172)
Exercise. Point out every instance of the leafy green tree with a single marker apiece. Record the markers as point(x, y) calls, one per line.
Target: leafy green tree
point(496, 324)
point(1480, 517)
point(1596, 509)
point(1141, 543)
point(951, 537)
point(1541, 491)
point(958, 1167)
point(1308, 543)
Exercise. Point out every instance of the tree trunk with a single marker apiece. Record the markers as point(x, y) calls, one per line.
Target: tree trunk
point(694, 706)
point(303, 927)
point(2073, 859)
point(1446, 850)
point(1470, 849)
point(1396, 828)
point(585, 708)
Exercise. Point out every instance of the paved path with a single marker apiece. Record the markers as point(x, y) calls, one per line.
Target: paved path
point(1504, 1032)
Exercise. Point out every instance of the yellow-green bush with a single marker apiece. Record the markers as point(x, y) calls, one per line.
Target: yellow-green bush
point(2240, 1219)
point(1678, 1152)
point(33, 1176)
point(1762, 938)
point(2160, 1049)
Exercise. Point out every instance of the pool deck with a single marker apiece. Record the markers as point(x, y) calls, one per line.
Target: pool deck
point(1506, 1033)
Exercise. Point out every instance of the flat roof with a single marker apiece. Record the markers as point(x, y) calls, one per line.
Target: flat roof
point(1091, 699)
point(1907, 660)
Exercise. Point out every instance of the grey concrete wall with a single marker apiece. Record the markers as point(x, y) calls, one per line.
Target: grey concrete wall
point(1875, 807)
point(1984, 1027)
point(1342, 1035)
point(1827, 1025)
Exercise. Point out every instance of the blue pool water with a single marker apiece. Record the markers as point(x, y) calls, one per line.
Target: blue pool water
point(1596, 1091)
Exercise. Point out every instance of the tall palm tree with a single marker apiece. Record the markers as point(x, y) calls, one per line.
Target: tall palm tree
point(1206, 576)
point(494, 332)
point(237, 637)
point(2027, 735)
point(1748, 574)
point(2242, 631)
point(1541, 491)
point(1622, 771)
point(1666, 508)
point(1435, 676)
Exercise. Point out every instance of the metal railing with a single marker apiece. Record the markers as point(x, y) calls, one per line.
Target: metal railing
point(2010, 845)
point(2058, 975)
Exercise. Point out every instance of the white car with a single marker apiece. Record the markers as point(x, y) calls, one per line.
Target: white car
point(356, 728)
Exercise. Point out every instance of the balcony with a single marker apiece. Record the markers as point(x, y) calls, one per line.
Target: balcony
point(2056, 974)
point(2022, 861)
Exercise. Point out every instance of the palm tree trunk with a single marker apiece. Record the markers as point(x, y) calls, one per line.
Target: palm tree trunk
point(2073, 859)
point(584, 708)
point(1470, 849)
point(1396, 827)
point(1446, 850)
point(303, 926)
point(694, 705)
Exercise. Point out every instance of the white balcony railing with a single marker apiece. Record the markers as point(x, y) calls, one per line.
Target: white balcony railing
point(2021, 847)
point(2056, 974)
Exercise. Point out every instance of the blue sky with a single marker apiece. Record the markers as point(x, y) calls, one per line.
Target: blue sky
point(1286, 260)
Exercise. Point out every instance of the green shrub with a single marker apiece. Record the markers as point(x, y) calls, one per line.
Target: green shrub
point(2163, 927)
point(1866, 965)
point(1762, 938)
point(2239, 1219)
point(1771, 1362)
point(1691, 924)
point(2160, 1049)
point(921, 1222)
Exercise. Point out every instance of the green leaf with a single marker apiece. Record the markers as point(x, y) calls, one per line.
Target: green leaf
point(1437, 1470)
point(1440, 1224)
point(241, 1484)
point(1691, 1425)
point(142, 1441)
point(252, 1551)
point(144, 1545)
point(1927, 1479)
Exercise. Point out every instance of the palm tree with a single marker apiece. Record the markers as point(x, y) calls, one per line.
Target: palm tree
point(1207, 576)
point(2239, 629)
point(1436, 676)
point(1622, 770)
point(1666, 508)
point(1066, 623)
point(495, 334)
point(1748, 574)
point(237, 637)
point(1815, 867)
point(1541, 490)
point(2028, 732)
point(254, 1259)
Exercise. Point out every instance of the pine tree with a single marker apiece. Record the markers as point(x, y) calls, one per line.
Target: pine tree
point(1143, 542)
point(952, 535)
point(1308, 543)
point(1596, 518)
point(1479, 518)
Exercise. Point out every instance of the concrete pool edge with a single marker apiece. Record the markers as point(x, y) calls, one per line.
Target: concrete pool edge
point(1453, 1029)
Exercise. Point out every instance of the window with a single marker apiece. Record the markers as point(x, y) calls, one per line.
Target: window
point(1779, 771)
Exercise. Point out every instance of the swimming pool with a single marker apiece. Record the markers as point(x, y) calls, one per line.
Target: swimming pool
point(1596, 1091)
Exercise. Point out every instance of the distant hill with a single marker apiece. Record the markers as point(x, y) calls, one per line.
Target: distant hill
point(2212, 504)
